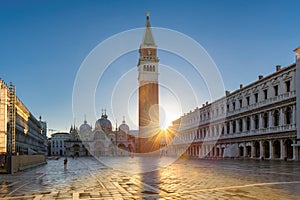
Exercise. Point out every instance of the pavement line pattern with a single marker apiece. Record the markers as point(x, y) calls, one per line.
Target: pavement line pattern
point(35, 178)
point(34, 197)
point(92, 174)
point(239, 186)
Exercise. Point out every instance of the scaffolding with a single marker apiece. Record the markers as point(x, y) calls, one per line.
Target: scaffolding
point(11, 136)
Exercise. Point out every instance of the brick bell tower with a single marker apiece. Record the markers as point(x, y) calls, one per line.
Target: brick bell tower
point(148, 93)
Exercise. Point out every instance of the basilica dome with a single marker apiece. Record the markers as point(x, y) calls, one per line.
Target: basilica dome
point(124, 127)
point(85, 128)
point(103, 124)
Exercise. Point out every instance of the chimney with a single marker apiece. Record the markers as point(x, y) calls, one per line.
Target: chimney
point(260, 77)
point(278, 67)
point(227, 92)
point(241, 86)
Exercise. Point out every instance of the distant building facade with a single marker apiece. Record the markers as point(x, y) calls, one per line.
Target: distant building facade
point(74, 144)
point(58, 145)
point(256, 121)
point(20, 132)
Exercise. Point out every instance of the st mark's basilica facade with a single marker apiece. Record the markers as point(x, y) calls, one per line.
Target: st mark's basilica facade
point(102, 140)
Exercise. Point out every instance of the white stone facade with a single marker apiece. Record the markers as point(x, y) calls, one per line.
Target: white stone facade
point(255, 121)
point(58, 146)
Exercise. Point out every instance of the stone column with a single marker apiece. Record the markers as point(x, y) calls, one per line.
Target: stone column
point(293, 115)
point(271, 149)
point(261, 149)
point(295, 151)
point(252, 124)
point(270, 119)
point(230, 127)
point(282, 150)
point(252, 149)
point(260, 117)
point(281, 117)
point(245, 151)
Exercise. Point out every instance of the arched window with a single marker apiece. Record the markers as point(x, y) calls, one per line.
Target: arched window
point(147, 67)
point(266, 120)
point(154, 68)
point(240, 125)
point(288, 115)
point(248, 123)
point(233, 126)
point(144, 67)
point(256, 121)
point(276, 118)
point(150, 68)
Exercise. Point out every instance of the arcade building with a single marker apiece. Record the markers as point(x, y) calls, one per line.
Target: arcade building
point(258, 121)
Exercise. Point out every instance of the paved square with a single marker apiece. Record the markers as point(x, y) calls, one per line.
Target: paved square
point(86, 178)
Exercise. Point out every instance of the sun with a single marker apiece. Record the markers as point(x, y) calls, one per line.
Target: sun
point(167, 118)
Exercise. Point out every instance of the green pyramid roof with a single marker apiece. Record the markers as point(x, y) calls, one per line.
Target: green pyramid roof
point(148, 36)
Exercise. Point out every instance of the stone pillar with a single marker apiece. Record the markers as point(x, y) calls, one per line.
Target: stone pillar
point(261, 149)
point(293, 115)
point(271, 149)
point(282, 149)
point(281, 117)
point(295, 151)
point(252, 124)
point(245, 151)
point(230, 127)
point(252, 149)
point(260, 117)
point(270, 119)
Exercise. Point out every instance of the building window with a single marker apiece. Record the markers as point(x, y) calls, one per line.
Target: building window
point(222, 132)
point(256, 121)
point(288, 86)
point(240, 125)
point(227, 107)
point(276, 118)
point(248, 101)
point(233, 126)
point(265, 94)
point(227, 127)
point(241, 103)
point(154, 68)
point(266, 120)
point(276, 90)
point(248, 123)
point(288, 115)
point(256, 97)
point(233, 105)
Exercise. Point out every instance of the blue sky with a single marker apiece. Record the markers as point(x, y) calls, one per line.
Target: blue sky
point(43, 43)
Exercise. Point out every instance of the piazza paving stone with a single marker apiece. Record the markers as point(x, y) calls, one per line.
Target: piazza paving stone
point(87, 178)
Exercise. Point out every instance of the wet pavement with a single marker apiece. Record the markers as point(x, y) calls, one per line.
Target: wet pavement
point(86, 178)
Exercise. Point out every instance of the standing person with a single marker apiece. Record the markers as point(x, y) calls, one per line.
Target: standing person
point(65, 162)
